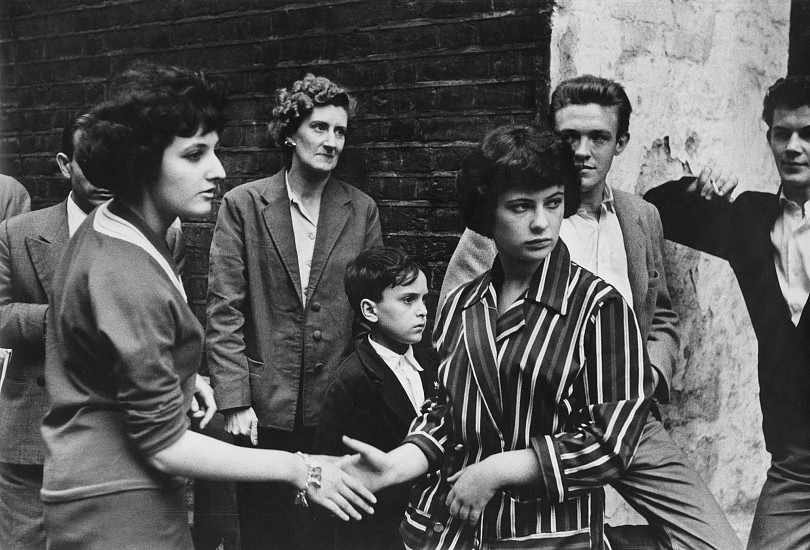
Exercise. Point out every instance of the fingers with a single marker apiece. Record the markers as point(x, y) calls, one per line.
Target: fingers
point(713, 183)
point(468, 513)
point(254, 432)
point(360, 495)
point(725, 183)
point(358, 446)
point(209, 414)
point(453, 478)
point(706, 185)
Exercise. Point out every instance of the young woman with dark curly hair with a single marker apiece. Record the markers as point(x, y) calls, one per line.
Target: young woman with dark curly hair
point(124, 346)
point(278, 320)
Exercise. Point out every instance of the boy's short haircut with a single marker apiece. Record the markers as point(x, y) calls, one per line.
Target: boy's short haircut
point(514, 156)
point(791, 92)
point(585, 89)
point(376, 269)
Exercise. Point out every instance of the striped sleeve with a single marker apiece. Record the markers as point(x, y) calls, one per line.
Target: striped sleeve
point(616, 385)
point(428, 432)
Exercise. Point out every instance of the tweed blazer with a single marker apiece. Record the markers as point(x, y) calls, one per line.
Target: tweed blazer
point(263, 343)
point(14, 198)
point(31, 245)
point(740, 232)
point(643, 243)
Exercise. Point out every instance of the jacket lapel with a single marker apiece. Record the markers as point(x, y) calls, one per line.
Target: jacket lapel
point(278, 221)
point(633, 236)
point(387, 384)
point(46, 249)
point(479, 338)
point(334, 213)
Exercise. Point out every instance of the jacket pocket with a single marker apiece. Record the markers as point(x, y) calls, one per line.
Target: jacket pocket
point(255, 368)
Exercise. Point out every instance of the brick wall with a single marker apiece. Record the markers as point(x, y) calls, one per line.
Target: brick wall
point(430, 77)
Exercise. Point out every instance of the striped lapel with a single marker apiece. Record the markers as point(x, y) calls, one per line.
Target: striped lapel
point(479, 338)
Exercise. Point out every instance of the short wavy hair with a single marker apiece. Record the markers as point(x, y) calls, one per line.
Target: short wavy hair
point(509, 157)
point(791, 92)
point(122, 147)
point(292, 105)
point(585, 89)
point(68, 140)
point(376, 269)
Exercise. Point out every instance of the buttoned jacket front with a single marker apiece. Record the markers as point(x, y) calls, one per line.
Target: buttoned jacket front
point(561, 372)
point(263, 341)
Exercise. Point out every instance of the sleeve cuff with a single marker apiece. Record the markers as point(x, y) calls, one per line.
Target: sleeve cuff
point(430, 447)
point(552, 489)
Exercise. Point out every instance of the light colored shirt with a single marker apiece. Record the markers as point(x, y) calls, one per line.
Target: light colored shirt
point(406, 370)
point(791, 255)
point(75, 215)
point(598, 245)
point(305, 229)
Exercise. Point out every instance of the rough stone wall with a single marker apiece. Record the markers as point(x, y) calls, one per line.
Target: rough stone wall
point(695, 73)
point(430, 76)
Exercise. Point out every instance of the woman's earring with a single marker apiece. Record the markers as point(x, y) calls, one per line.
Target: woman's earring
point(289, 142)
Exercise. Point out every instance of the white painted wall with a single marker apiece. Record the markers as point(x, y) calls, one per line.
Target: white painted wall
point(695, 72)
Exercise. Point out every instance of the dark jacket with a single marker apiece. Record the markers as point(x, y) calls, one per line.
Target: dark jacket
point(262, 342)
point(739, 232)
point(367, 402)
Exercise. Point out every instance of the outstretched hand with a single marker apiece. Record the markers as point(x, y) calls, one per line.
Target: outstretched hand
point(369, 465)
point(340, 493)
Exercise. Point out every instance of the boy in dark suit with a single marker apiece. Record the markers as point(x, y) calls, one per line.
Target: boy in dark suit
point(379, 389)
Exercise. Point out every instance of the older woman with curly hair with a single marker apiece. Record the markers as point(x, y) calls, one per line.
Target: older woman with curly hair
point(278, 320)
point(124, 346)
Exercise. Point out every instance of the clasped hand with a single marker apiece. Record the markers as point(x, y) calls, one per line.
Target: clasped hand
point(340, 493)
point(473, 486)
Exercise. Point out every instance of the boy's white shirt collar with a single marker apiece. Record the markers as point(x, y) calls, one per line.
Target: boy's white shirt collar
point(392, 358)
point(405, 371)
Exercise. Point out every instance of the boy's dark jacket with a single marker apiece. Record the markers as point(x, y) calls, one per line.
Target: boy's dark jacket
point(366, 402)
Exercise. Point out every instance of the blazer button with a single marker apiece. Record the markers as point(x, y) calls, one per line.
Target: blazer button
point(318, 367)
point(315, 306)
point(41, 381)
point(317, 335)
point(459, 447)
point(438, 527)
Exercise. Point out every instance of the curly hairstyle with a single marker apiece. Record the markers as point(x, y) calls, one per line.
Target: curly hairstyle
point(587, 88)
point(791, 92)
point(294, 104)
point(149, 105)
point(514, 156)
point(376, 269)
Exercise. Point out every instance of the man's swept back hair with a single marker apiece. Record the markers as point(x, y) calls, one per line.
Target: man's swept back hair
point(791, 92)
point(587, 88)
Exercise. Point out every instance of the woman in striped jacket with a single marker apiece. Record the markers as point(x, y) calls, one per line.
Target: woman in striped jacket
point(544, 383)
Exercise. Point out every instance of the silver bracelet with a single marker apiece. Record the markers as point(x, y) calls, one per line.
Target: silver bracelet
point(313, 480)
